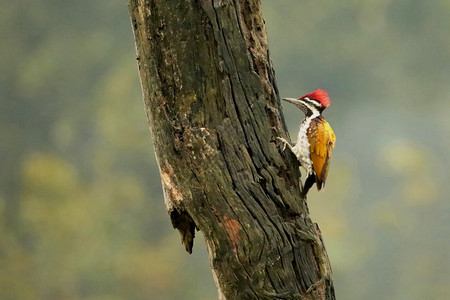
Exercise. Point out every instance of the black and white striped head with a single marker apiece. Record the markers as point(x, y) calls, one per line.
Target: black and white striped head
point(312, 103)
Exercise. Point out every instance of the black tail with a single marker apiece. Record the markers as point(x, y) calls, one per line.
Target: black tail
point(308, 184)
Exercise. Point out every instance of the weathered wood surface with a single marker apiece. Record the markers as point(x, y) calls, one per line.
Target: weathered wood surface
point(214, 111)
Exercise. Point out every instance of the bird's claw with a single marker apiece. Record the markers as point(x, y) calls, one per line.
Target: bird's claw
point(283, 141)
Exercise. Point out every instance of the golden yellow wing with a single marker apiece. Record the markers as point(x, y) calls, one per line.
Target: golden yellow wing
point(321, 140)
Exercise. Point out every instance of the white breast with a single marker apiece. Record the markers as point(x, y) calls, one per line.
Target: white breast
point(301, 148)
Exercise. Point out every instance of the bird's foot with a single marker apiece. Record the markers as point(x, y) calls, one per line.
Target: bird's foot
point(285, 143)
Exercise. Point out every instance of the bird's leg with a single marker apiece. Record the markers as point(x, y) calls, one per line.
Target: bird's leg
point(292, 150)
point(285, 143)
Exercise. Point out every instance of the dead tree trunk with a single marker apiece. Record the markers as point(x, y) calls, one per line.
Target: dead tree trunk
point(213, 107)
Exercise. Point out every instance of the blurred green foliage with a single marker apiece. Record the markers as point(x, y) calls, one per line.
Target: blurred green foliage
point(81, 209)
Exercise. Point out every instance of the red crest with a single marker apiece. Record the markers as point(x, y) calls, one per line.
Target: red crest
point(319, 95)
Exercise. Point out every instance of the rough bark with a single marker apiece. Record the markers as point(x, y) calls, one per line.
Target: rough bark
point(213, 108)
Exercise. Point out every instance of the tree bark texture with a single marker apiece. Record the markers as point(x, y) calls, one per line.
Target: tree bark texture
point(214, 111)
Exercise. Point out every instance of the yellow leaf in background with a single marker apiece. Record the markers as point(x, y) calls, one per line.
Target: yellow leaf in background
point(403, 156)
point(48, 174)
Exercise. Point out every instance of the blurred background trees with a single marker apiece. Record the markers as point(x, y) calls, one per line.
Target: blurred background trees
point(81, 208)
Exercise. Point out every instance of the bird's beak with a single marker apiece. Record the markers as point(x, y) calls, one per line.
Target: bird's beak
point(292, 100)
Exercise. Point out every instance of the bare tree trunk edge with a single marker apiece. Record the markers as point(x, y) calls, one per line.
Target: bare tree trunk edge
point(213, 107)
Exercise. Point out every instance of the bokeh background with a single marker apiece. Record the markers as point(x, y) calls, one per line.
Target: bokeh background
point(81, 209)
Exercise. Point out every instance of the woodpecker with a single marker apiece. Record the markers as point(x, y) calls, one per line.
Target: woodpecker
point(316, 139)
